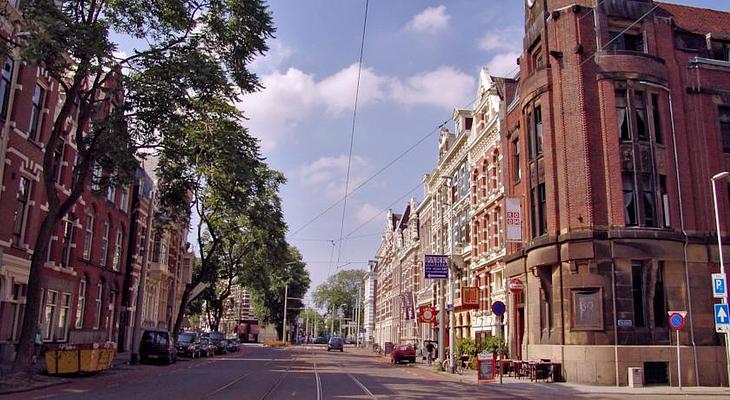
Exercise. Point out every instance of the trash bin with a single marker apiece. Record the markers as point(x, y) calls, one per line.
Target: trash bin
point(636, 377)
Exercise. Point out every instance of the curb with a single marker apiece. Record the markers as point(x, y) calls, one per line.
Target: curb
point(31, 388)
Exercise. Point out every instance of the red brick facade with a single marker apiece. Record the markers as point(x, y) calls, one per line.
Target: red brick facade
point(620, 141)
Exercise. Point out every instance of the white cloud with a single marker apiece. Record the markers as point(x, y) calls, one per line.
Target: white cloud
point(327, 175)
point(430, 20)
point(509, 39)
point(503, 64)
point(337, 91)
point(445, 87)
point(365, 212)
point(277, 55)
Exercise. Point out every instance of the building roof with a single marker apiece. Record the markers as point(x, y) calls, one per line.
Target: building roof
point(698, 20)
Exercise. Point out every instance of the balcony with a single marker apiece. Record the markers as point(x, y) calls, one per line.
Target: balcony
point(159, 269)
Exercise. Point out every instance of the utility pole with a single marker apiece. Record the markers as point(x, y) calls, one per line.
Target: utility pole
point(283, 328)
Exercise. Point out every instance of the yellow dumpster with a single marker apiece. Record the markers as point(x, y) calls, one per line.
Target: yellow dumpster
point(71, 359)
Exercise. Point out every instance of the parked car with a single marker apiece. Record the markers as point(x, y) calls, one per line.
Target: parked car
point(232, 345)
point(219, 341)
point(336, 343)
point(320, 340)
point(206, 348)
point(188, 344)
point(157, 345)
point(403, 353)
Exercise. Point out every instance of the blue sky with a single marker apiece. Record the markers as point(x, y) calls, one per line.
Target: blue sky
point(421, 60)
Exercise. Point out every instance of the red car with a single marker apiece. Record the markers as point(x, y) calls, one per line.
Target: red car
point(403, 353)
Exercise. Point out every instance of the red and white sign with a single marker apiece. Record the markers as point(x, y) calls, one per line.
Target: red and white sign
point(427, 314)
point(516, 285)
point(513, 219)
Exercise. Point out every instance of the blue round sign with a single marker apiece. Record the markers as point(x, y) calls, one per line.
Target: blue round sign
point(498, 308)
point(676, 321)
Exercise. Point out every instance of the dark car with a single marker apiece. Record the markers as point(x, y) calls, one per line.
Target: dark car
point(403, 353)
point(336, 343)
point(232, 345)
point(320, 340)
point(157, 345)
point(206, 348)
point(188, 344)
point(219, 341)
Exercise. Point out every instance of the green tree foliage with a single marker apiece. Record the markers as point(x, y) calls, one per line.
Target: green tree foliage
point(174, 90)
point(340, 292)
point(268, 298)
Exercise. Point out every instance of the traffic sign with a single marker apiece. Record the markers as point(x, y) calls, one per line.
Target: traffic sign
point(436, 266)
point(722, 318)
point(719, 286)
point(676, 319)
point(516, 285)
point(498, 308)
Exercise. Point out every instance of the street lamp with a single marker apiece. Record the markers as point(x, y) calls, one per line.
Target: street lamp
point(452, 317)
point(717, 177)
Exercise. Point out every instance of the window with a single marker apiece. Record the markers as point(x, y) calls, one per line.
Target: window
point(111, 192)
point(6, 80)
point(62, 326)
point(35, 112)
point(49, 314)
point(21, 209)
point(96, 178)
point(720, 50)
point(666, 210)
point(156, 246)
point(125, 199)
point(81, 305)
point(656, 116)
point(538, 131)
point(648, 198)
point(516, 160)
point(630, 40)
point(637, 290)
point(622, 115)
point(660, 300)
point(104, 244)
point(725, 128)
point(57, 167)
point(97, 311)
point(546, 299)
point(468, 123)
point(68, 233)
point(630, 208)
point(539, 210)
point(17, 304)
point(117, 251)
point(88, 240)
point(642, 128)
point(110, 316)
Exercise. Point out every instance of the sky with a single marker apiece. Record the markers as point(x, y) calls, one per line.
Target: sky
point(421, 60)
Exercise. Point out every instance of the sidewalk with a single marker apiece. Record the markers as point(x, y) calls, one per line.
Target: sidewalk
point(527, 388)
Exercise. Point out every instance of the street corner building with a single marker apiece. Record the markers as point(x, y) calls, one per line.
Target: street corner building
point(91, 276)
point(579, 193)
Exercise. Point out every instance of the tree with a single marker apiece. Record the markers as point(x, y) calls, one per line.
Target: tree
point(339, 292)
point(268, 297)
point(196, 58)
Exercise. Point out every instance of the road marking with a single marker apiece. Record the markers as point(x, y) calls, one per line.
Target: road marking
point(365, 389)
point(45, 396)
point(319, 382)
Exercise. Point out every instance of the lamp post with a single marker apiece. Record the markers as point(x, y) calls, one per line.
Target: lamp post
point(717, 177)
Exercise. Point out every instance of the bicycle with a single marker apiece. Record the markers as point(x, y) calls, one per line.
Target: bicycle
point(462, 364)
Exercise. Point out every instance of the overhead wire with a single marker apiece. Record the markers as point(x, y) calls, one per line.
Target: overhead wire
point(352, 130)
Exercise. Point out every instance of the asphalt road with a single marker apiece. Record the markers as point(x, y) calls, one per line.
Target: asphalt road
point(307, 372)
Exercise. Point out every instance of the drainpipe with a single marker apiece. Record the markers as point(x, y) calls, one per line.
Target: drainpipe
point(681, 222)
point(615, 319)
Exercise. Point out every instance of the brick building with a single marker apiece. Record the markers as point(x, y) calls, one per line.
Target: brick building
point(622, 117)
point(90, 265)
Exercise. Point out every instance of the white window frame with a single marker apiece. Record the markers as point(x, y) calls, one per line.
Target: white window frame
point(105, 244)
point(81, 305)
point(50, 304)
point(97, 312)
point(124, 201)
point(19, 234)
point(68, 237)
point(88, 240)
point(36, 112)
point(116, 259)
point(64, 311)
point(111, 193)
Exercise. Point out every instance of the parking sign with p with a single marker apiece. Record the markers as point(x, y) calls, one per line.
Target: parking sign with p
point(719, 286)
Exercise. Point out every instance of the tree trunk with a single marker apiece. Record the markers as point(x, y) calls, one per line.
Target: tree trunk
point(26, 344)
point(181, 311)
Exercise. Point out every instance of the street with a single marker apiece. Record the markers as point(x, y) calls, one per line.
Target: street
point(307, 372)
point(263, 373)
